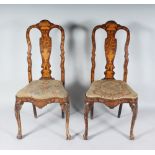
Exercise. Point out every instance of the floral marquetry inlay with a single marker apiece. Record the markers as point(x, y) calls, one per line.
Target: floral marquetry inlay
point(46, 90)
point(45, 49)
point(111, 27)
point(109, 91)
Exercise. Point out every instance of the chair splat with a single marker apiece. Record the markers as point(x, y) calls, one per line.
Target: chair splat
point(111, 27)
point(45, 27)
point(45, 50)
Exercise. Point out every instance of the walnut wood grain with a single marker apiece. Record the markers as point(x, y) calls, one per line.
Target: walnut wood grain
point(111, 27)
point(44, 27)
point(40, 103)
point(111, 103)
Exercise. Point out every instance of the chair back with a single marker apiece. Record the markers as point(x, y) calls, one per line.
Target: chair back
point(45, 27)
point(111, 27)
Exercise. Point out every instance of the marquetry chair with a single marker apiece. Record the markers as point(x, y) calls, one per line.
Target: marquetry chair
point(46, 90)
point(110, 91)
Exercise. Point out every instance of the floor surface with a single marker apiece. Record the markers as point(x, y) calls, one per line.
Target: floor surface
point(106, 131)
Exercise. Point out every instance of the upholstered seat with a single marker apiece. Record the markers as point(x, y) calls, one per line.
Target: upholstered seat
point(43, 89)
point(46, 90)
point(111, 90)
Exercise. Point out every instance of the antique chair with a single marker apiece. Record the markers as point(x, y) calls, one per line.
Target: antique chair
point(46, 90)
point(109, 91)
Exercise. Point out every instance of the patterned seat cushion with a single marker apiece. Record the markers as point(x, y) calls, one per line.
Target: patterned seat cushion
point(111, 90)
point(43, 89)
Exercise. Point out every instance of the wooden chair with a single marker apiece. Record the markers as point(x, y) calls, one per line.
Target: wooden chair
point(109, 91)
point(46, 90)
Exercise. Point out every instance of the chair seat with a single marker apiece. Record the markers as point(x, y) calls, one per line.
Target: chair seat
point(111, 90)
point(43, 89)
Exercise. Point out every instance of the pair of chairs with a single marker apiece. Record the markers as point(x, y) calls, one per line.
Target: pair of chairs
point(47, 90)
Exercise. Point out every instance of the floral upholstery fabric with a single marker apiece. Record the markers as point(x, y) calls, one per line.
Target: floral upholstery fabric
point(111, 90)
point(43, 89)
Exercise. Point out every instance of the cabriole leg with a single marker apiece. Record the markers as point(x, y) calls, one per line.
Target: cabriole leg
point(134, 108)
point(86, 111)
point(67, 109)
point(18, 107)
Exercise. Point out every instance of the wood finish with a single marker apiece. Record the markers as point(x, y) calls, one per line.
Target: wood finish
point(111, 27)
point(45, 48)
point(44, 27)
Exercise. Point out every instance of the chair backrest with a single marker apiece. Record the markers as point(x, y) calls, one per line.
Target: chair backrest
point(45, 27)
point(111, 27)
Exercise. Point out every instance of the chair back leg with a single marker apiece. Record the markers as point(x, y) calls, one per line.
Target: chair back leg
point(92, 112)
point(120, 110)
point(34, 111)
point(62, 114)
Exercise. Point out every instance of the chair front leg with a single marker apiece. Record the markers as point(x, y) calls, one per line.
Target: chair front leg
point(134, 108)
point(18, 107)
point(86, 111)
point(66, 108)
point(34, 111)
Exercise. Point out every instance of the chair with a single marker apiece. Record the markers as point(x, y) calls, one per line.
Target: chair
point(110, 91)
point(46, 90)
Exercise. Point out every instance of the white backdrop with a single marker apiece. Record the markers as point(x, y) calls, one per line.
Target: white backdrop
point(78, 22)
